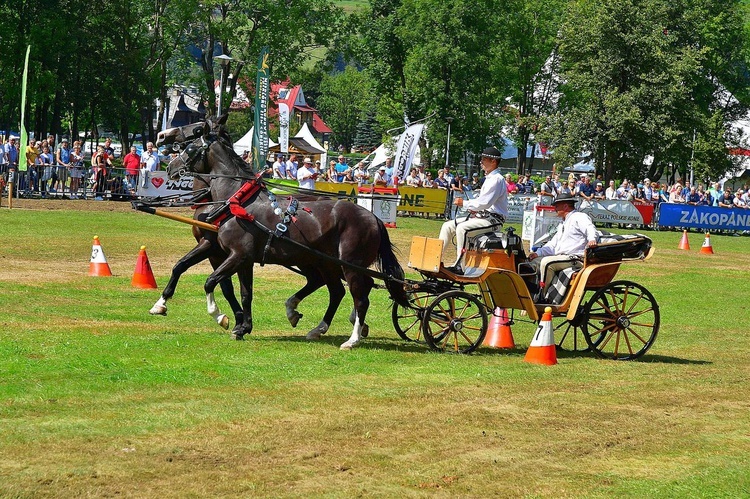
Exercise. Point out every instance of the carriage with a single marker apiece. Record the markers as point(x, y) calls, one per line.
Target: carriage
point(615, 319)
point(330, 241)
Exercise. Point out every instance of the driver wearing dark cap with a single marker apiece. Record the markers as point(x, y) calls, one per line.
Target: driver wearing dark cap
point(489, 209)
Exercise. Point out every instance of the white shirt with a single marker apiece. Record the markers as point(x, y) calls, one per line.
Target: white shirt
point(151, 160)
point(493, 196)
point(572, 236)
point(304, 177)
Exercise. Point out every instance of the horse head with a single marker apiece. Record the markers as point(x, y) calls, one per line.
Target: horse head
point(179, 135)
point(192, 154)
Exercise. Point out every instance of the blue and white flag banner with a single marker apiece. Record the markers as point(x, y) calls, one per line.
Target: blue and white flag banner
point(703, 217)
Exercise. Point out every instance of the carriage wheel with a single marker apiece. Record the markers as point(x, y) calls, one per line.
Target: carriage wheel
point(455, 321)
point(621, 321)
point(570, 335)
point(408, 320)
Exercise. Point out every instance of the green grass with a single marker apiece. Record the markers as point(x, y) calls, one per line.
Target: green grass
point(99, 398)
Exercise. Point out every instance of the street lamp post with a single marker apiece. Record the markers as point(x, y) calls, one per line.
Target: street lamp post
point(448, 145)
point(224, 60)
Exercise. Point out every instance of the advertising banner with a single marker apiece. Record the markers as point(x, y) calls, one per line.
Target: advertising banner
point(422, 199)
point(538, 224)
point(703, 217)
point(159, 184)
point(517, 205)
point(283, 127)
point(617, 211)
point(405, 149)
point(260, 135)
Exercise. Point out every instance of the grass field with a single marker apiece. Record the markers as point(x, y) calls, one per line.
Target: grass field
point(97, 398)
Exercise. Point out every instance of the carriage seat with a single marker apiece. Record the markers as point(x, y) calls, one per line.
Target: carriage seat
point(497, 240)
point(618, 247)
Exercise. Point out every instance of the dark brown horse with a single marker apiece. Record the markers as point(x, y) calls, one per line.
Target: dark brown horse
point(208, 248)
point(336, 237)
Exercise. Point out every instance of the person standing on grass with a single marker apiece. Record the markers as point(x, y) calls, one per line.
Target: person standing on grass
point(76, 169)
point(131, 162)
point(306, 175)
point(62, 157)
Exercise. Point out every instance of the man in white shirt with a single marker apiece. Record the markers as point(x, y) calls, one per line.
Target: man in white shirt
point(574, 235)
point(149, 162)
point(489, 209)
point(279, 167)
point(306, 175)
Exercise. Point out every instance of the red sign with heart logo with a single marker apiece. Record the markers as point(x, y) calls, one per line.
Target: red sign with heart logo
point(157, 181)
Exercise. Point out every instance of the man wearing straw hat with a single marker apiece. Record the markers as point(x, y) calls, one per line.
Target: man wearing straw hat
point(489, 209)
point(574, 235)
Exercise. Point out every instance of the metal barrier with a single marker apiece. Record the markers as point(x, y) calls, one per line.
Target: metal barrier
point(57, 181)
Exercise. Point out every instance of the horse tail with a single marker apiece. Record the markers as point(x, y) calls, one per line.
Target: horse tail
point(387, 263)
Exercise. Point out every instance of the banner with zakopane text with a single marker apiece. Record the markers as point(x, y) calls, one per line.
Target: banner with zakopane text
point(703, 217)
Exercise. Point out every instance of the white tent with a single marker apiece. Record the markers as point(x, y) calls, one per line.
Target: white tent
point(305, 134)
point(246, 143)
point(379, 155)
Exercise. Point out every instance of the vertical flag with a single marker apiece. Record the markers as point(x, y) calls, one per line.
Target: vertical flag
point(284, 127)
point(260, 135)
point(405, 149)
point(24, 135)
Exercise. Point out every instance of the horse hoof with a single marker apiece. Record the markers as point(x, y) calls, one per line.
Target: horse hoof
point(161, 310)
point(313, 335)
point(365, 331)
point(348, 346)
point(223, 321)
point(294, 318)
point(238, 336)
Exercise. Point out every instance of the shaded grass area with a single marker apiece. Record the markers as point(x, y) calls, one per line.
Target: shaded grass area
point(98, 398)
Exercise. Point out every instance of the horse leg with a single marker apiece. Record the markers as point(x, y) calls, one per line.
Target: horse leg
point(336, 293)
point(245, 276)
point(227, 289)
point(314, 282)
point(359, 287)
point(195, 256)
point(223, 271)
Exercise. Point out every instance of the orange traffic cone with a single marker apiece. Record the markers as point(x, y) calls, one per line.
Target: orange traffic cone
point(98, 266)
point(143, 277)
point(499, 334)
point(684, 243)
point(542, 348)
point(706, 248)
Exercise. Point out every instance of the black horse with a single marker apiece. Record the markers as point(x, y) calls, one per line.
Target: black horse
point(208, 248)
point(336, 237)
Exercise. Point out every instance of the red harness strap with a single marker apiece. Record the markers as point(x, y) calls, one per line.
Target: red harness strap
point(244, 193)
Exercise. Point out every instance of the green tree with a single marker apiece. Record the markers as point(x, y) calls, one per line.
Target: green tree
point(344, 101)
point(527, 60)
point(643, 76)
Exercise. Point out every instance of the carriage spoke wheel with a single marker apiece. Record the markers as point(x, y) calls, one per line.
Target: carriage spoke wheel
point(408, 320)
point(455, 321)
point(621, 321)
point(569, 334)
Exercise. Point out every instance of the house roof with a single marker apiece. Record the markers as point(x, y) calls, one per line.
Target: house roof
point(295, 99)
point(319, 125)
